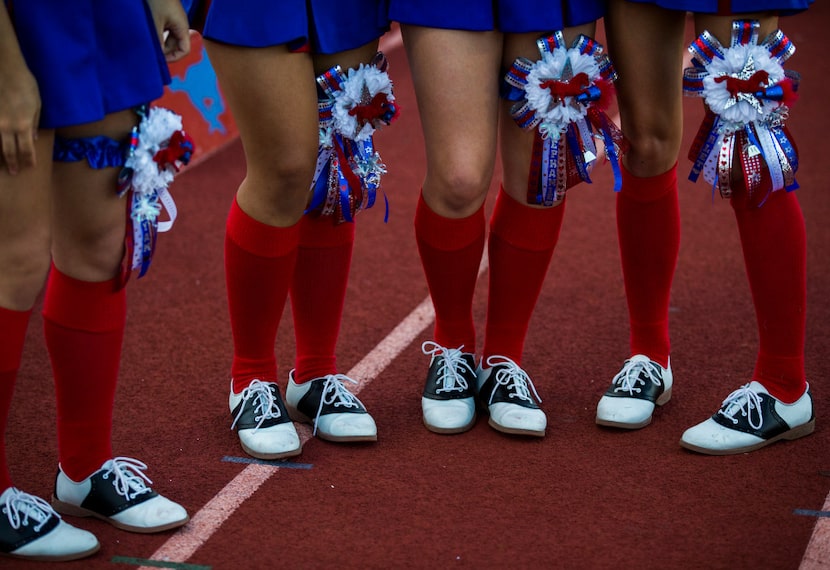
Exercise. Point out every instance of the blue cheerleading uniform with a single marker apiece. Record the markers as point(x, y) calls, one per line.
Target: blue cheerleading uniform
point(326, 26)
point(90, 58)
point(730, 7)
point(509, 16)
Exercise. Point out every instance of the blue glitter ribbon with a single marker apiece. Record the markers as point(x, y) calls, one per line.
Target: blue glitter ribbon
point(99, 152)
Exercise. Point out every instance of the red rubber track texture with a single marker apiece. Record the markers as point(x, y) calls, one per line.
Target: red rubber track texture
point(582, 497)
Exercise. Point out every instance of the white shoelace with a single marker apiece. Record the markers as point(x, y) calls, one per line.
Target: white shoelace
point(629, 376)
point(514, 378)
point(336, 394)
point(128, 479)
point(265, 403)
point(743, 400)
point(449, 374)
point(20, 507)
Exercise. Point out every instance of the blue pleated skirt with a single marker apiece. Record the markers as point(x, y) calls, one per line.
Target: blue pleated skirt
point(326, 26)
point(509, 16)
point(90, 57)
point(735, 6)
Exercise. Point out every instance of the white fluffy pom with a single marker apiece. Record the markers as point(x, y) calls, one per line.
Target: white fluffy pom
point(735, 59)
point(555, 114)
point(365, 79)
point(154, 131)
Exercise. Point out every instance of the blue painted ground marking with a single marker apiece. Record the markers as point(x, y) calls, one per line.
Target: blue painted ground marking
point(157, 563)
point(807, 513)
point(281, 464)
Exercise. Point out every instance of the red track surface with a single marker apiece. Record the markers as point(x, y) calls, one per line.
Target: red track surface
point(583, 497)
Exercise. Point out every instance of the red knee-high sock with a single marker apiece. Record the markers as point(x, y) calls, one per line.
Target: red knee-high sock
point(648, 227)
point(522, 240)
point(259, 266)
point(774, 244)
point(318, 293)
point(84, 329)
point(451, 251)
point(12, 334)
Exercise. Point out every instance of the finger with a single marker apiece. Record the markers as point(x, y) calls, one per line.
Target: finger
point(9, 147)
point(35, 129)
point(25, 149)
point(177, 43)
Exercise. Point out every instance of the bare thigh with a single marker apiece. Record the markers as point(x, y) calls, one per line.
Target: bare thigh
point(345, 59)
point(272, 94)
point(456, 76)
point(646, 44)
point(88, 216)
point(25, 206)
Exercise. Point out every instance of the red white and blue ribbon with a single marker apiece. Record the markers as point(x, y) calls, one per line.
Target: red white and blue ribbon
point(158, 149)
point(349, 170)
point(564, 96)
point(748, 95)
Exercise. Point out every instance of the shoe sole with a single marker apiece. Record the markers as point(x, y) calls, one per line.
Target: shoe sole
point(347, 438)
point(515, 431)
point(661, 401)
point(56, 558)
point(272, 456)
point(76, 511)
point(795, 433)
point(620, 425)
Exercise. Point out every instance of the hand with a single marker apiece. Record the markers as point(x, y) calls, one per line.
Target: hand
point(19, 103)
point(172, 28)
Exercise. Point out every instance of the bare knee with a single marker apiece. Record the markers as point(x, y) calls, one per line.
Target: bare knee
point(457, 192)
point(651, 153)
point(25, 266)
point(278, 193)
point(91, 254)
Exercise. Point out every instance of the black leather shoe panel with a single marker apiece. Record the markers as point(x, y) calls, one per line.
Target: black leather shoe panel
point(310, 402)
point(11, 539)
point(434, 383)
point(250, 412)
point(105, 500)
point(772, 424)
point(501, 393)
point(648, 390)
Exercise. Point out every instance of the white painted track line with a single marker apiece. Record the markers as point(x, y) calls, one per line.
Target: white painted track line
point(181, 546)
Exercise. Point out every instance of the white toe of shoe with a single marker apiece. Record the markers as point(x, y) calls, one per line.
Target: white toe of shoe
point(510, 418)
point(275, 442)
point(714, 439)
point(154, 515)
point(629, 413)
point(347, 427)
point(448, 416)
point(64, 542)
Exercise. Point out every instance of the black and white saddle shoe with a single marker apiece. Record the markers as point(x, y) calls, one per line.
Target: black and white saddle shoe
point(635, 391)
point(118, 493)
point(448, 400)
point(335, 413)
point(749, 419)
point(510, 397)
point(31, 530)
point(262, 423)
